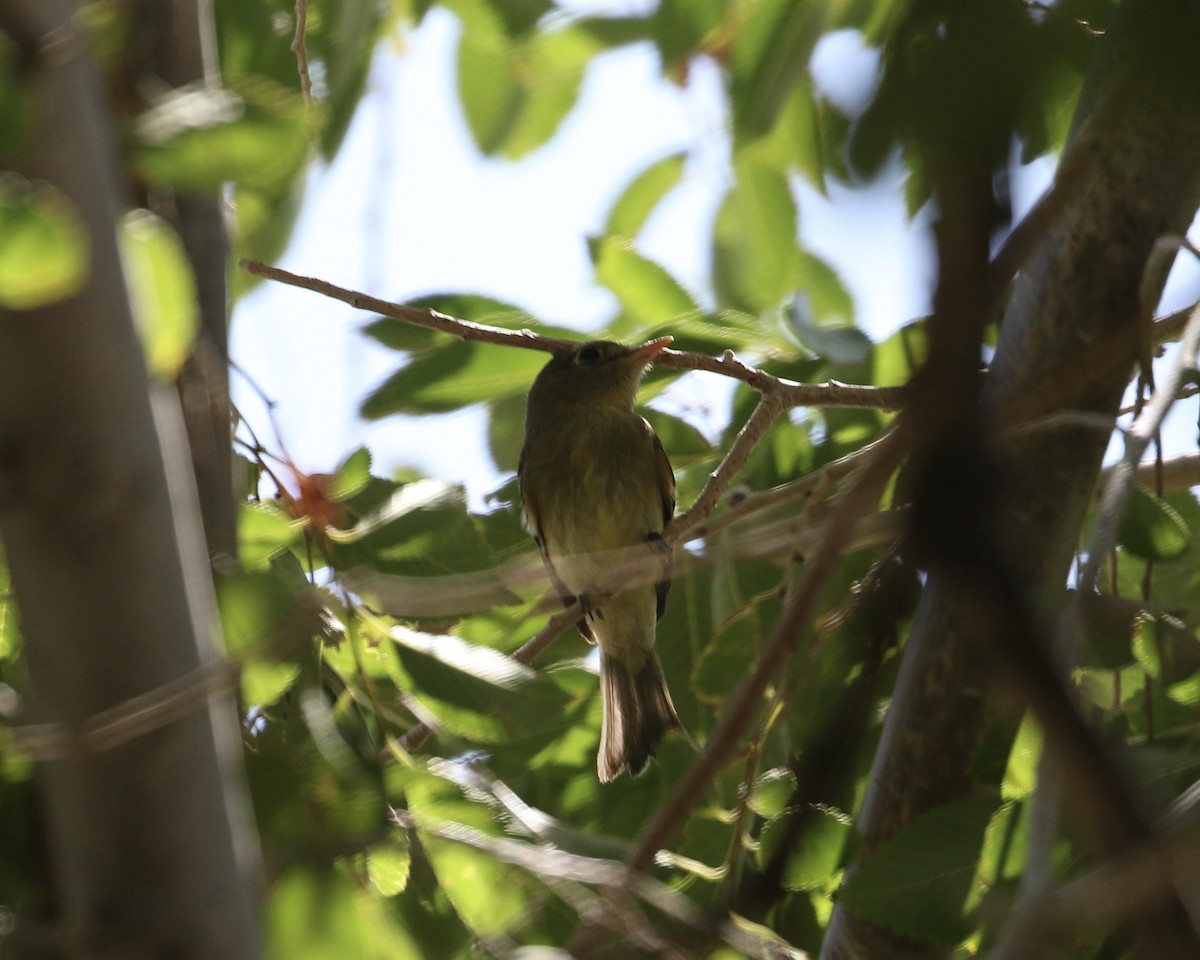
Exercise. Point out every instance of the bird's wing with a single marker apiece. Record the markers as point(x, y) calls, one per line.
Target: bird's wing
point(666, 486)
point(529, 508)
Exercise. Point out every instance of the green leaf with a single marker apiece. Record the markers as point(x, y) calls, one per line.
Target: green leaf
point(315, 914)
point(453, 376)
point(265, 681)
point(351, 40)
point(898, 357)
point(196, 139)
point(352, 475)
point(1151, 528)
point(487, 84)
point(550, 66)
point(770, 56)
point(388, 867)
point(756, 256)
point(266, 612)
point(683, 442)
point(1020, 776)
point(162, 290)
point(43, 245)
point(418, 529)
point(633, 208)
point(264, 531)
point(721, 666)
point(771, 791)
point(489, 895)
point(681, 26)
point(475, 692)
point(506, 431)
point(647, 292)
point(916, 883)
point(831, 337)
point(817, 856)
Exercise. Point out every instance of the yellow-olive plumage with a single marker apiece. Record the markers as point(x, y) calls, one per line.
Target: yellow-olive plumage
point(595, 479)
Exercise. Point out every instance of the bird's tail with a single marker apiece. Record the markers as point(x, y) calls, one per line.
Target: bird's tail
point(637, 712)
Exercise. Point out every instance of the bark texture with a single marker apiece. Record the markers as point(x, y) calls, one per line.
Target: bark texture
point(1069, 341)
point(153, 847)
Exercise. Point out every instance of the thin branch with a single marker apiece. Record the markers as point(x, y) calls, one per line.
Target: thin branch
point(832, 393)
point(300, 49)
point(770, 405)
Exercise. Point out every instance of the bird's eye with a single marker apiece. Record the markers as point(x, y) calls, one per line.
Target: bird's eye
point(589, 355)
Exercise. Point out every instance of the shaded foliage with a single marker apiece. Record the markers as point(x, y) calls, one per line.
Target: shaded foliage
point(421, 790)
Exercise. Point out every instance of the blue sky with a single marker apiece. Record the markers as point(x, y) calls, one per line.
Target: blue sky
point(410, 207)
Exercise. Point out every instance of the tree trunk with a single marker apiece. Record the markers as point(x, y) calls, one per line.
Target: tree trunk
point(1069, 341)
point(153, 847)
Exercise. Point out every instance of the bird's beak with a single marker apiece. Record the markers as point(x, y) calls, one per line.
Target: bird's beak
point(648, 352)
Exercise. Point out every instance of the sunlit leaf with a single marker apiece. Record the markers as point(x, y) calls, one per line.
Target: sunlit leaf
point(756, 255)
point(771, 791)
point(264, 531)
point(162, 289)
point(43, 245)
point(770, 56)
point(639, 199)
point(388, 867)
point(351, 475)
point(647, 292)
point(265, 681)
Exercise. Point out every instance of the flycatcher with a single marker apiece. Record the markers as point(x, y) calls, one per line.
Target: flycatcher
point(594, 479)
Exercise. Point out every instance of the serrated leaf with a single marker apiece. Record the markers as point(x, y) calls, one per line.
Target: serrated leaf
point(1020, 775)
point(721, 666)
point(43, 245)
point(489, 895)
point(318, 915)
point(550, 66)
point(756, 256)
point(770, 56)
point(772, 790)
point(162, 290)
point(265, 681)
point(453, 376)
point(475, 692)
point(266, 613)
point(1151, 528)
point(388, 866)
point(917, 882)
point(648, 293)
point(487, 84)
point(816, 857)
point(420, 529)
point(352, 475)
point(264, 531)
point(639, 199)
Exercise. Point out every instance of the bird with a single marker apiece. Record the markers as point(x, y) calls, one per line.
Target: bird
point(594, 478)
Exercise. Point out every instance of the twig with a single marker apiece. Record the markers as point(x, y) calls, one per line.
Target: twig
point(300, 49)
point(770, 405)
point(832, 393)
